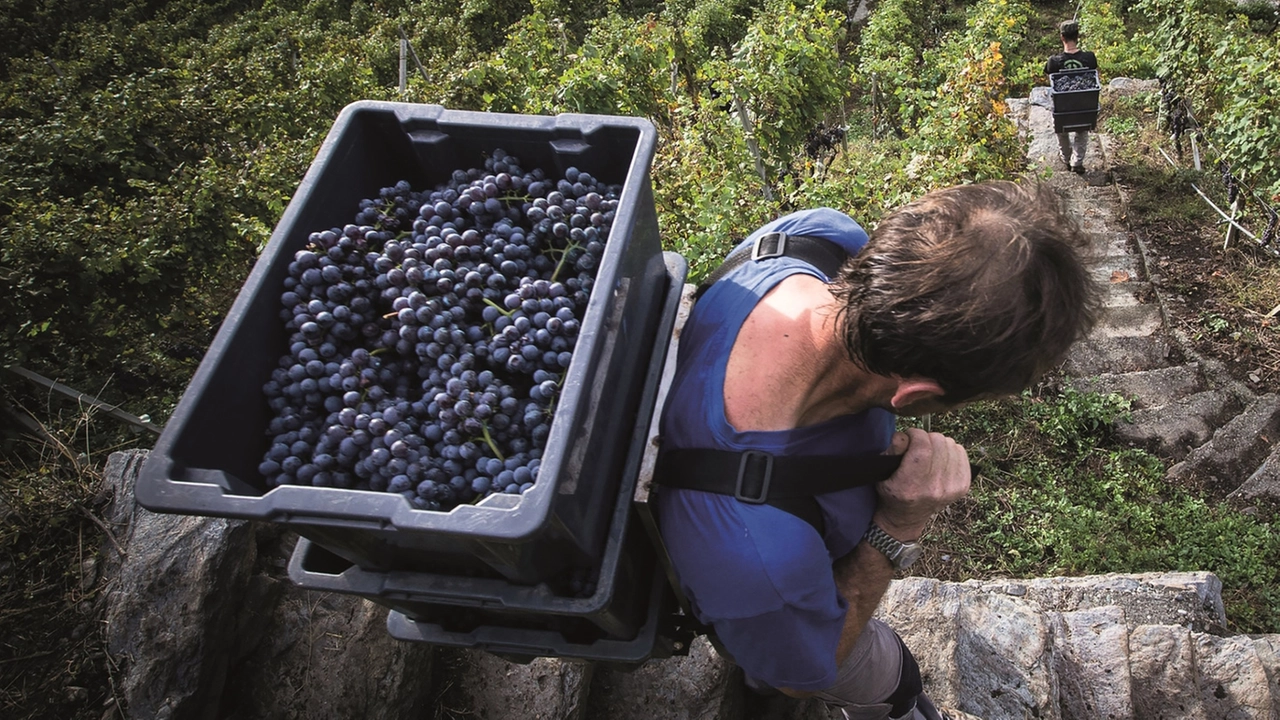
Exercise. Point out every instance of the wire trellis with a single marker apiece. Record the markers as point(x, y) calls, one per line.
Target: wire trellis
point(1181, 122)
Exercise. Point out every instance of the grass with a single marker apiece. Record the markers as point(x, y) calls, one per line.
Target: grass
point(53, 661)
point(1059, 495)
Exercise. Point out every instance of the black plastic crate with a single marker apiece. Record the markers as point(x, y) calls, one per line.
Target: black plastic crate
point(522, 644)
point(205, 462)
point(1085, 99)
point(615, 608)
point(1073, 121)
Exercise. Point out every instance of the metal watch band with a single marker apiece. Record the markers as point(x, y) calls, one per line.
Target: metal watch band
point(899, 553)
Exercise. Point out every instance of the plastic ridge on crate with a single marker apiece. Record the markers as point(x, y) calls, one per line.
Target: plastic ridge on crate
point(615, 606)
point(522, 645)
point(205, 462)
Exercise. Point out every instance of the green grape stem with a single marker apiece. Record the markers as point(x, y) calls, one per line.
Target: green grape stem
point(564, 255)
point(488, 439)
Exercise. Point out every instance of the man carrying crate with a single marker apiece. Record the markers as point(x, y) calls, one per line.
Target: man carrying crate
point(969, 292)
point(1071, 58)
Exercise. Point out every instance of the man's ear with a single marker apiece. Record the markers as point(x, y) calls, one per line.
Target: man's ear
point(913, 390)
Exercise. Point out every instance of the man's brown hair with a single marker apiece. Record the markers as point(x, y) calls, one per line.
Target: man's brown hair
point(980, 287)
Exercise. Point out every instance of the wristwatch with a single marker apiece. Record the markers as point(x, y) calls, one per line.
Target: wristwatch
point(899, 553)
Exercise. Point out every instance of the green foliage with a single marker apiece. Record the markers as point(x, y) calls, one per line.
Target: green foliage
point(891, 61)
point(788, 74)
point(710, 26)
point(966, 134)
point(150, 163)
point(1119, 52)
point(707, 192)
point(1057, 496)
point(1227, 70)
point(622, 68)
point(1247, 120)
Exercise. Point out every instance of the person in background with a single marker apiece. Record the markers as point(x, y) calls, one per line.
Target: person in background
point(969, 292)
point(1072, 144)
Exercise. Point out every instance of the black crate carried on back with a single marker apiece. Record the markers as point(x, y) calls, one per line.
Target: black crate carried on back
point(1075, 96)
point(208, 460)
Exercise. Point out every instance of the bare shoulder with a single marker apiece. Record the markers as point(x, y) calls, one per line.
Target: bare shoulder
point(773, 355)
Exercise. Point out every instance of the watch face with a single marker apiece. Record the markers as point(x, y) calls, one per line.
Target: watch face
point(910, 553)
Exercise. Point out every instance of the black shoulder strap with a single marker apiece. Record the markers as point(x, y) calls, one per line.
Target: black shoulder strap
point(787, 482)
point(818, 252)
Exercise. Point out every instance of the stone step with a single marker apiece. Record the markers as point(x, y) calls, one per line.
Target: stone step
point(1095, 356)
point(1146, 388)
point(1193, 599)
point(1173, 430)
point(1128, 321)
point(1236, 450)
point(1264, 483)
point(1122, 293)
point(1113, 268)
point(1163, 671)
point(1109, 242)
point(1091, 662)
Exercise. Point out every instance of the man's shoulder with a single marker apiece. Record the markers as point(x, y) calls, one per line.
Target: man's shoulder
point(824, 222)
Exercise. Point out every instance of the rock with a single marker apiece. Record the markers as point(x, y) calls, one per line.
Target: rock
point(1233, 679)
point(490, 688)
point(699, 686)
point(1131, 86)
point(1091, 660)
point(327, 656)
point(203, 624)
point(1162, 665)
point(177, 588)
point(983, 653)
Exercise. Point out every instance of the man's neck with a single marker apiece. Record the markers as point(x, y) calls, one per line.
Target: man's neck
point(1070, 46)
point(789, 367)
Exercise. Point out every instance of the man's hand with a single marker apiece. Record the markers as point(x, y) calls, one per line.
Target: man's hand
point(934, 473)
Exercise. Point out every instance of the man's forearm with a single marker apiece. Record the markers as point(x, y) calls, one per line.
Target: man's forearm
point(862, 577)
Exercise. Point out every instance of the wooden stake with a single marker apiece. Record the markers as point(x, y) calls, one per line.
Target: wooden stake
point(404, 65)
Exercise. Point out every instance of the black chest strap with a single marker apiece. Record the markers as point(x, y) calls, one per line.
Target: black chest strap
point(787, 482)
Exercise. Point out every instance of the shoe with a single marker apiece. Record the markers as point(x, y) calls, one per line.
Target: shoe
point(1065, 160)
point(1078, 169)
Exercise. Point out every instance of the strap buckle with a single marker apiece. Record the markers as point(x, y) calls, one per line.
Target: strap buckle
point(760, 249)
point(760, 466)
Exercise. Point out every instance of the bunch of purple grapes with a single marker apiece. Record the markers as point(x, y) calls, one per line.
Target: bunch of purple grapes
point(429, 338)
point(1075, 82)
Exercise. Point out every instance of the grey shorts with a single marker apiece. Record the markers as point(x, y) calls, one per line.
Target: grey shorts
point(869, 678)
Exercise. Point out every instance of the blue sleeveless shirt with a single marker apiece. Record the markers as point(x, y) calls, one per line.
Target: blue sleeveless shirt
point(761, 576)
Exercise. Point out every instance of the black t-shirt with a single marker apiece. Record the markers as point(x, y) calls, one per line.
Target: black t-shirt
point(1078, 60)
